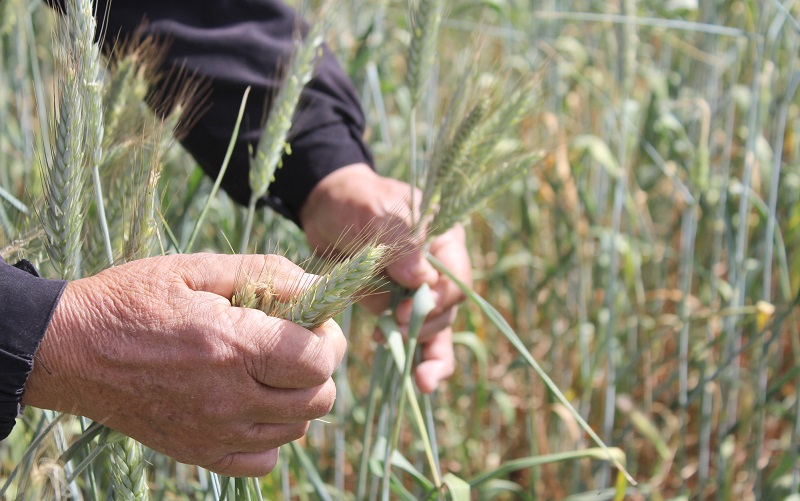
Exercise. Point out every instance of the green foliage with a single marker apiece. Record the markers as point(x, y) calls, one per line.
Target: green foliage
point(645, 260)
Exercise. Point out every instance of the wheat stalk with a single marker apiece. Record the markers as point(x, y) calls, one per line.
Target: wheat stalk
point(80, 132)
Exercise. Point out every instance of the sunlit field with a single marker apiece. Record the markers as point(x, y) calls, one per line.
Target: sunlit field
point(632, 331)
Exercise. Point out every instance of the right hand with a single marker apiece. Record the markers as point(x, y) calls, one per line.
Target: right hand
point(155, 350)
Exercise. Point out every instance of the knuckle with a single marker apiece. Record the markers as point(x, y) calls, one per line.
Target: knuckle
point(326, 397)
point(223, 465)
point(296, 431)
point(275, 266)
point(320, 370)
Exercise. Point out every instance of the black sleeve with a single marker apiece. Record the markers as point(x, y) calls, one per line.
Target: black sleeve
point(26, 305)
point(233, 44)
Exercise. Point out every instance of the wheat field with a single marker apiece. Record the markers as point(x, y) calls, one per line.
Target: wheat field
point(629, 176)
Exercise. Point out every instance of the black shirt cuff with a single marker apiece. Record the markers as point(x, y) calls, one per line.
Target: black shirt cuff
point(27, 303)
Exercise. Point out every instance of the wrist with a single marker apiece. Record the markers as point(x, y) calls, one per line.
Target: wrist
point(53, 382)
point(335, 192)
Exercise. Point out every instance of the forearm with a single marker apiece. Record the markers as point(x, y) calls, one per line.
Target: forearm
point(26, 306)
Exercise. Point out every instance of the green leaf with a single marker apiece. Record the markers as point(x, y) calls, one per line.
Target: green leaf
point(459, 488)
point(313, 475)
point(601, 454)
point(398, 460)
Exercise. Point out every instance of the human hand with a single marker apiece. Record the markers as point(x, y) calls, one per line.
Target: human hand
point(155, 350)
point(354, 198)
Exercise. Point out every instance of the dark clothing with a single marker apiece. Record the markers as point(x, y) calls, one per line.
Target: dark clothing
point(26, 305)
point(228, 45)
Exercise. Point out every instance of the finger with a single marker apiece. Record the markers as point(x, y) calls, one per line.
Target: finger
point(376, 302)
point(259, 437)
point(220, 274)
point(378, 336)
point(438, 362)
point(245, 464)
point(434, 325)
point(412, 270)
point(281, 354)
point(450, 248)
point(283, 405)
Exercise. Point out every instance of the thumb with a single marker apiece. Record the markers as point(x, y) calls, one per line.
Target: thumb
point(221, 274)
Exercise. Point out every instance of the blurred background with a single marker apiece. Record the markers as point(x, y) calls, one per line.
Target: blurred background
point(648, 262)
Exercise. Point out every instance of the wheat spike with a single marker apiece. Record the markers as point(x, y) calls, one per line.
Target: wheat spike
point(129, 475)
point(425, 22)
point(329, 295)
point(273, 142)
point(453, 155)
point(118, 92)
point(336, 290)
point(140, 238)
point(65, 179)
point(457, 207)
point(82, 28)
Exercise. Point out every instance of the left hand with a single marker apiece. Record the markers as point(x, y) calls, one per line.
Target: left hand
point(355, 197)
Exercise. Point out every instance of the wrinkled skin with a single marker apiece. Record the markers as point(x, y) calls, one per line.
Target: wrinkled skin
point(155, 350)
point(355, 197)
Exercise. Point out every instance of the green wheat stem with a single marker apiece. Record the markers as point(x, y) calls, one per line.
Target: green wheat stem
point(423, 304)
point(206, 206)
point(394, 341)
point(373, 396)
point(101, 212)
point(248, 223)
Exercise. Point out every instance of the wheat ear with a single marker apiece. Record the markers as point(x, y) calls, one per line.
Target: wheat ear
point(274, 138)
point(142, 231)
point(273, 142)
point(453, 155)
point(128, 473)
point(455, 208)
point(64, 175)
point(425, 22)
point(328, 295)
point(336, 290)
